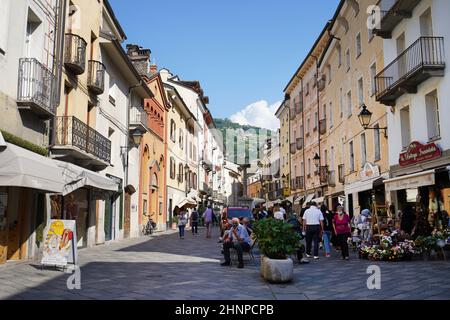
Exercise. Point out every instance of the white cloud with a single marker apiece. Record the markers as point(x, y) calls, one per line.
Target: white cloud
point(258, 114)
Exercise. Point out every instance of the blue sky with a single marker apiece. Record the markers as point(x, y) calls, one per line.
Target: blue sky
point(242, 51)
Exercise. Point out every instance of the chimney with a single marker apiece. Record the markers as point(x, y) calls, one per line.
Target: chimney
point(140, 58)
point(153, 68)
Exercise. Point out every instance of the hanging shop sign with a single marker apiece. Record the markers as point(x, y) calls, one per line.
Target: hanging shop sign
point(418, 152)
point(60, 242)
point(369, 172)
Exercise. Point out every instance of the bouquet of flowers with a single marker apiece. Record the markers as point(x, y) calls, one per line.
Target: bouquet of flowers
point(387, 250)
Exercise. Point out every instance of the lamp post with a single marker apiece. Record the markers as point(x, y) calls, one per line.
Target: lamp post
point(365, 117)
point(316, 160)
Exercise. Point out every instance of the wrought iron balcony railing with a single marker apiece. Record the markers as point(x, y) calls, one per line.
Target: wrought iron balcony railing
point(391, 14)
point(299, 105)
point(423, 59)
point(299, 143)
point(138, 119)
point(35, 88)
point(322, 82)
point(341, 173)
point(294, 184)
point(292, 113)
point(323, 174)
point(75, 54)
point(332, 178)
point(323, 126)
point(96, 77)
point(70, 131)
point(300, 181)
point(293, 147)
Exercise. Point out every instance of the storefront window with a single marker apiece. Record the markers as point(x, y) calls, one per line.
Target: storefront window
point(76, 207)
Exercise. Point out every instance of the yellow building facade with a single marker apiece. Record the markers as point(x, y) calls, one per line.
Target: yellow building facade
point(356, 159)
point(333, 159)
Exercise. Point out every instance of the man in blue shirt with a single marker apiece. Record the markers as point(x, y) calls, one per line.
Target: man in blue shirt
point(238, 239)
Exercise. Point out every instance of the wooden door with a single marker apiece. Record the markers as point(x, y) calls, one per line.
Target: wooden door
point(127, 219)
point(14, 208)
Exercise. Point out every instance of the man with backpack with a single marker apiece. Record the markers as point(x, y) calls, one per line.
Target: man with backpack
point(193, 221)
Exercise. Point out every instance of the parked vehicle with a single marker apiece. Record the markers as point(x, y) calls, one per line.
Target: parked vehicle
point(234, 212)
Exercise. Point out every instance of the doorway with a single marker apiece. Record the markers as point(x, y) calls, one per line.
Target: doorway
point(127, 219)
point(108, 218)
point(350, 205)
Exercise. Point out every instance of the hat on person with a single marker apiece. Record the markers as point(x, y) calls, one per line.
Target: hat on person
point(365, 212)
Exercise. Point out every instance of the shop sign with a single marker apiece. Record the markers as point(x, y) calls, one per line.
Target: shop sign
point(410, 182)
point(60, 244)
point(418, 152)
point(286, 192)
point(369, 172)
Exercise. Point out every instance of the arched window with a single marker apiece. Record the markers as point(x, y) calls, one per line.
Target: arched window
point(173, 129)
point(195, 181)
point(172, 168)
point(154, 182)
point(180, 173)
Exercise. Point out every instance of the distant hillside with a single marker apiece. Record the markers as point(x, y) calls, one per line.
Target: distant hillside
point(244, 134)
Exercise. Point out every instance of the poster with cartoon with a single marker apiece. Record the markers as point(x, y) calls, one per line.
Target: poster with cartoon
point(60, 243)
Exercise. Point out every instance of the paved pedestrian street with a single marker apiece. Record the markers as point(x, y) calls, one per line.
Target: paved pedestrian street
point(165, 267)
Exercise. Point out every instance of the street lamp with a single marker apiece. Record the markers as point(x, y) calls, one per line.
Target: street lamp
point(316, 160)
point(365, 117)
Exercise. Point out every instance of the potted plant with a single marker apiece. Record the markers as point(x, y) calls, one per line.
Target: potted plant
point(277, 240)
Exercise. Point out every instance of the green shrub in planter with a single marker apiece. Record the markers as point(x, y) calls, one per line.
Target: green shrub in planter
point(276, 238)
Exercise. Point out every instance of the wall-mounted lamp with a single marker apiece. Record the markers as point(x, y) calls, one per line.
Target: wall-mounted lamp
point(365, 117)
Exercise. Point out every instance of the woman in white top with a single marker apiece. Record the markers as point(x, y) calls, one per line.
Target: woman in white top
point(182, 221)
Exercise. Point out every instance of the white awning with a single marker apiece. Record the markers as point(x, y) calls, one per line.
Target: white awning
point(360, 186)
point(308, 199)
point(193, 195)
point(290, 199)
point(76, 177)
point(299, 199)
point(258, 200)
point(22, 168)
point(318, 200)
point(412, 181)
point(187, 202)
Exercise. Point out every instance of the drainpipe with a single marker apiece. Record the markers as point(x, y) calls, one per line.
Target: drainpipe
point(303, 136)
point(130, 89)
point(318, 117)
point(58, 52)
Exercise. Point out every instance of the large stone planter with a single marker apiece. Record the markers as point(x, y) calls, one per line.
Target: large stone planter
point(277, 271)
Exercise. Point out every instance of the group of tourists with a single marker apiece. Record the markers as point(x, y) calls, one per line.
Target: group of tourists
point(323, 224)
point(209, 218)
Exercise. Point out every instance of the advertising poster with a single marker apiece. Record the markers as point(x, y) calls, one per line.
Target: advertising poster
point(60, 243)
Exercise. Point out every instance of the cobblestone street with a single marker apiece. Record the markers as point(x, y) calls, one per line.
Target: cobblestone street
point(165, 267)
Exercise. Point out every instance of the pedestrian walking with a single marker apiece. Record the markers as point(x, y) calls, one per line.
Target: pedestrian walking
point(208, 217)
point(313, 226)
point(193, 221)
point(327, 229)
point(182, 221)
point(341, 225)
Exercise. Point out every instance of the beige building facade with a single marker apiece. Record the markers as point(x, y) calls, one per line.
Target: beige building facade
point(333, 159)
point(356, 159)
point(303, 100)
